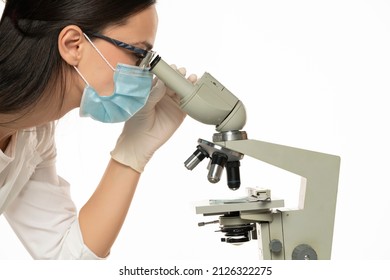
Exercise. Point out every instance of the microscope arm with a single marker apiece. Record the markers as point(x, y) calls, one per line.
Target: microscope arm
point(313, 224)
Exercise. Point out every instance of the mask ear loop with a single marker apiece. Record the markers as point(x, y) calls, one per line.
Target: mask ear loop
point(81, 75)
point(93, 45)
point(101, 55)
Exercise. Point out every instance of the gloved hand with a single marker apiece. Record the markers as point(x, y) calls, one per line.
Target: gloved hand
point(150, 127)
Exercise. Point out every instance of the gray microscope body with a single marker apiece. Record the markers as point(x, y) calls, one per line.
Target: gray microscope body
point(282, 234)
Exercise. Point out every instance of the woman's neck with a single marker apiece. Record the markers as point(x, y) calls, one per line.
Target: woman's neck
point(5, 138)
point(8, 126)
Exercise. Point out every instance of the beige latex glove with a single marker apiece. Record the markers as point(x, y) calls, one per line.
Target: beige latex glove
point(150, 127)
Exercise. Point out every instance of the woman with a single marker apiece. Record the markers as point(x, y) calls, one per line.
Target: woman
point(56, 56)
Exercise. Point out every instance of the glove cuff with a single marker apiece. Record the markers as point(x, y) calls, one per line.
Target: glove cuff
point(127, 155)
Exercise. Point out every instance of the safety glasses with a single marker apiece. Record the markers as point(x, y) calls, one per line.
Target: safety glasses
point(144, 57)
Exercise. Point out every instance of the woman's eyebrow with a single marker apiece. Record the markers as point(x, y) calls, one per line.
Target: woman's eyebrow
point(146, 45)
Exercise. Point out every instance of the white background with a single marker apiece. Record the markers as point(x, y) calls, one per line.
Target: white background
point(312, 74)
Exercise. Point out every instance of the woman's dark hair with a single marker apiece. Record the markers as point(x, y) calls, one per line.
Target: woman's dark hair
point(30, 62)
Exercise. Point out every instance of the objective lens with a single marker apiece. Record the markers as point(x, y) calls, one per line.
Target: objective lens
point(195, 158)
point(233, 175)
point(218, 162)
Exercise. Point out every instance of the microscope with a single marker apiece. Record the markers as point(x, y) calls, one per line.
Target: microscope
point(305, 233)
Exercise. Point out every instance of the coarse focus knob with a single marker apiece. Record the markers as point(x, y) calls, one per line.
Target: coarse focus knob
point(304, 252)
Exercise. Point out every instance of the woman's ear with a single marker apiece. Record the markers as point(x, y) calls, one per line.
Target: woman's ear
point(71, 43)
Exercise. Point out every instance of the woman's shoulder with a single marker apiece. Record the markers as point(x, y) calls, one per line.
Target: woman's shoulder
point(41, 137)
point(46, 131)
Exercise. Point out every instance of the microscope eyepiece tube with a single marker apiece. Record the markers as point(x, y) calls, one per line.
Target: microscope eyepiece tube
point(206, 100)
point(172, 79)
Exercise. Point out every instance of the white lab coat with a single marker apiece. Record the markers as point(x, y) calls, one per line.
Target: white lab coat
point(36, 201)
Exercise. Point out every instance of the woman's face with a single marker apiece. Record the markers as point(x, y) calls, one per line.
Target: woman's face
point(139, 31)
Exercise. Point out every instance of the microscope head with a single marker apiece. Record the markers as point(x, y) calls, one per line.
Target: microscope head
point(206, 101)
point(209, 102)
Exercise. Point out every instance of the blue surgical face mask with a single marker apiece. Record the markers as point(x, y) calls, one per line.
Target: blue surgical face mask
point(132, 86)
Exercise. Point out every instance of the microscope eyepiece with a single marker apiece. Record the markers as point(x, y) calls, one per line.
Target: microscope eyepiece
point(154, 62)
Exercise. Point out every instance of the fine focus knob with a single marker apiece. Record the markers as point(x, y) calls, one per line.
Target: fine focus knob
point(275, 246)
